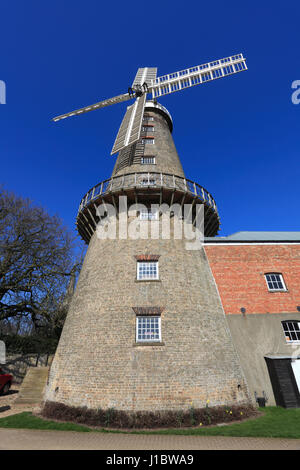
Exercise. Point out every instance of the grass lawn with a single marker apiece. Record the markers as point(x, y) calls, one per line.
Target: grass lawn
point(275, 422)
point(27, 420)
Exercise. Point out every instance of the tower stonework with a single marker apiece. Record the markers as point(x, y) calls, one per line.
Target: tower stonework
point(99, 362)
point(159, 127)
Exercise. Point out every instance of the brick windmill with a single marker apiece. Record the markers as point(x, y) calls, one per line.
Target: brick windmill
point(145, 329)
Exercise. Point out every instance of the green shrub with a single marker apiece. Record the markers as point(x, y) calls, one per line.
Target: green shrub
point(120, 419)
point(16, 344)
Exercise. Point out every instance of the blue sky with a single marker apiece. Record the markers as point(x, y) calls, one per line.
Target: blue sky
point(238, 137)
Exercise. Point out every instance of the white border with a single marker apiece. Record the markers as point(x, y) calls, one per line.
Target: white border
point(148, 340)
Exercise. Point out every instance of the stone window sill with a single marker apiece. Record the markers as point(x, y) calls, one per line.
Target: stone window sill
point(153, 343)
point(275, 291)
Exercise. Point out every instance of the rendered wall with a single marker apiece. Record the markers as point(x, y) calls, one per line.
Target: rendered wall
point(257, 336)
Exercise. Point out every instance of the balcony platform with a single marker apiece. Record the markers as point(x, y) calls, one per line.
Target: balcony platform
point(146, 188)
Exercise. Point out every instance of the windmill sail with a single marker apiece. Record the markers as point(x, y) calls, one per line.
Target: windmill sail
point(145, 75)
point(196, 75)
point(92, 107)
point(130, 128)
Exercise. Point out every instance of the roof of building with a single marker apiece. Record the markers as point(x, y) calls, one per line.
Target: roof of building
point(256, 237)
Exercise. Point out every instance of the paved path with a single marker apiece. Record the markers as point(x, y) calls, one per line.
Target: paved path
point(18, 439)
point(23, 439)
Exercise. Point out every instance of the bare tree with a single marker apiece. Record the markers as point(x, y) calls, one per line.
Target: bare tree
point(37, 261)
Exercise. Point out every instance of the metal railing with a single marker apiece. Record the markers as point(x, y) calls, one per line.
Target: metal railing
point(148, 180)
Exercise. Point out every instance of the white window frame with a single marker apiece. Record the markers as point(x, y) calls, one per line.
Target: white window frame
point(284, 289)
point(287, 331)
point(148, 214)
point(152, 162)
point(148, 181)
point(148, 129)
point(148, 118)
point(148, 141)
point(141, 318)
point(142, 278)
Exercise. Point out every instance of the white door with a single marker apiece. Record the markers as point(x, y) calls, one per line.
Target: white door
point(296, 370)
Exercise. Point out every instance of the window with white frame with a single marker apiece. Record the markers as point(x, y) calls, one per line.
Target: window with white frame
point(291, 330)
point(147, 270)
point(147, 141)
point(148, 128)
point(148, 160)
point(148, 182)
point(275, 282)
point(148, 214)
point(148, 328)
point(148, 118)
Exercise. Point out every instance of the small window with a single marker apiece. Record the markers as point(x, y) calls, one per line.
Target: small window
point(148, 214)
point(148, 182)
point(148, 329)
point(148, 119)
point(148, 160)
point(275, 282)
point(291, 330)
point(147, 141)
point(148, 129)
point(147, 270)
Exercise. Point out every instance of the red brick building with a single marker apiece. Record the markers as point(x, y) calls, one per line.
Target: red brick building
point(258, 279)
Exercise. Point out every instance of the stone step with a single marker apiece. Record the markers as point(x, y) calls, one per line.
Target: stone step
point(33, 399)
point(29, 395)
point(39, 383)
point(33, 382)
point(28, 401)
point(32, 388)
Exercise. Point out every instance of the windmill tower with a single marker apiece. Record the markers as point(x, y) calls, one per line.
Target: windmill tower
point(146, 329)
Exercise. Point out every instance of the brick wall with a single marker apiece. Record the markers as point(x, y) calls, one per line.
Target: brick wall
point(164, 150)
point(99, 364)
point(239, 273)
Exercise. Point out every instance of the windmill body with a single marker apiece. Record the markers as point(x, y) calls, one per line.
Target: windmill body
point(146, 328)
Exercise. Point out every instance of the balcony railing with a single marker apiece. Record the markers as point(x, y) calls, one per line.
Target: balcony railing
point(148, 180)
